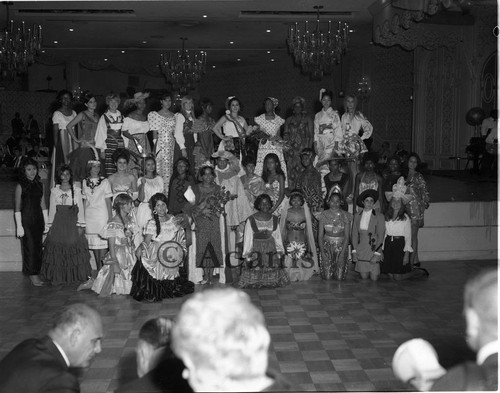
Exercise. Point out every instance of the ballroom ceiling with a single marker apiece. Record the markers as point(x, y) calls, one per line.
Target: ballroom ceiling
point(233, 32)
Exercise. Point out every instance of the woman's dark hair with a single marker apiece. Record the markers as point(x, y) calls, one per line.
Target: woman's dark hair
point(248, 160)
point(330, 195)
point(201, 171)
point(260, 199)
point(26, 162)
point(120, 201)
point(370, 156)
point(419, 161)
point(62, 93)
point(87, 97)
point(390, 211)
point(328, 93)
point(228, 103)
point(149, 158)
point(89, 166)
point(166, 95)
point(265, 171)
point(59, 171)
point(152, 204)
point(121, 153)
point(297, 194)
point(175, 174)
point(395, 158)
point(204, 102)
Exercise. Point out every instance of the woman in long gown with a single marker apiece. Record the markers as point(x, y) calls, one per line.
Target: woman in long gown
point(328, 134)
point(203, 128)
point(262, 249)
point(136, 125)
point(184, 135)
point(116, 274)
point(97, 201)
point(270, 124)
point(368, 231)
point(108, 136)
point(333, 238)
point(337, 178)
point(179, 184)
point(31, 217)
point(160, 272)
point(299, 134)
point(274, 179)
point(66, 257)
point(87, 126)
point(63, 145)
point(162, 123)
point(417, 188)
point(301, 260)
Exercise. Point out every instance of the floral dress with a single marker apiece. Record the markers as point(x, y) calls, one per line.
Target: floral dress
point(417, 188)
point(165, 126)
point(328, 133)
point(115, 277)
point(271, 128)
point(298, 137)
point(160, 274)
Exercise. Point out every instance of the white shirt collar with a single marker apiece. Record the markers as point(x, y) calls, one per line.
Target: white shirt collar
point(486, 351)
point(63, 354)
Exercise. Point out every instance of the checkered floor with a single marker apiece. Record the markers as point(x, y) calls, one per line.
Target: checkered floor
point(326, 336)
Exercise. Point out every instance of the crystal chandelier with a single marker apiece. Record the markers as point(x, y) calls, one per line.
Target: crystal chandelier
point(315, 52)
point(181, 70)
point(18, 47)
point(364, 89)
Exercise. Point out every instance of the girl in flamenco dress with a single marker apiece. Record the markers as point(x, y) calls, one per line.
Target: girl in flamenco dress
point(66, 257)
point(116, 274)
point(31, 217)
point(159, 273)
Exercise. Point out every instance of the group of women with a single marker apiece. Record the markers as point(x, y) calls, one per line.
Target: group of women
point(156, 227)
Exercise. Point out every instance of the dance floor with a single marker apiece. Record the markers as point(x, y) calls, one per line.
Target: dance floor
point(326, 336)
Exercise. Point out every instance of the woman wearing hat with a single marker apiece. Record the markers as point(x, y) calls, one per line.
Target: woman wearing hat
point(270, 123)
point(367, 236)
point(369, 179)
point(397, 243)
point(135, 125)
point(298, 133)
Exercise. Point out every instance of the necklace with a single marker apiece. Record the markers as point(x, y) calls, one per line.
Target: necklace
point(92, 185)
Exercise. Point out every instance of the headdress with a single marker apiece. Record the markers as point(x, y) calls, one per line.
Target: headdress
point(365, 194)
point(139, 96)
point(207, 163)
point(299, 100)
point(274, 101)
point(228, 99)
point(398, 191)
point(223, 154)
point(334, 190)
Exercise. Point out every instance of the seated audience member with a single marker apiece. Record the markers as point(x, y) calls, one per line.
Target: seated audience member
point(223, 341)
point(42, 364)
point(481, 318)
point(157, 367)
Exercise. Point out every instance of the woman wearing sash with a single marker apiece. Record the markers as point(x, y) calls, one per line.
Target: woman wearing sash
point(108, 135)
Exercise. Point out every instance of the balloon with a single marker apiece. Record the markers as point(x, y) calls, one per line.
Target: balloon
point(475, 116)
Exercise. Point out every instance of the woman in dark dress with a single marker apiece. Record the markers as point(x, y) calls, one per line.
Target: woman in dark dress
point(31, 217)
point(180, 182)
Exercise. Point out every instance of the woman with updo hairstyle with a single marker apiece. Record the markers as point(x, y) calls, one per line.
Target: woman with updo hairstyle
point(299, 134)
point(108, 136)
point(301, 260)
point(136, 126)
point(235, 128)
point(262, 249)
point(162, 123)
point(203, 128)
point(63, 144)
point(160, 272)
point(333, 237)
point(86, 121)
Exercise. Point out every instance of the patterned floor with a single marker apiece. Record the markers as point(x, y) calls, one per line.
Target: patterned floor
point(326, 336)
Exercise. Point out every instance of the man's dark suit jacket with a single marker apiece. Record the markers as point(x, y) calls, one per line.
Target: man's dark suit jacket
point(36, 365)
point(470, 376)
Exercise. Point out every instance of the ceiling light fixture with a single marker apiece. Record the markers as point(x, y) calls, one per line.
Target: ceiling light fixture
point(231, 42)
point(18, 47)
point(205, 16)
point(71, 29)
point(315, 52)
point(181, 70)
point(268, 30)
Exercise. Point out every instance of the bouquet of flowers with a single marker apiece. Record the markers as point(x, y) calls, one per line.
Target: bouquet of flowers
point(214, 204)
point(296, 250)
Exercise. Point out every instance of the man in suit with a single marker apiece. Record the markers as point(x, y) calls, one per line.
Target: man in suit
point(481, 317)
point(42, 365)
point(159, 370)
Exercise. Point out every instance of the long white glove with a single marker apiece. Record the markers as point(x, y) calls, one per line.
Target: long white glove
point(19, 224)
point(45, 220)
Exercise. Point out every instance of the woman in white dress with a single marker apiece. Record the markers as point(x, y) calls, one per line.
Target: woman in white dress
point(162, 123)
point(328, 135)
point(97, 195)
point(270, 124)
point(63, 144)
point(135, 125)
point(151, 183)
point(184, 135)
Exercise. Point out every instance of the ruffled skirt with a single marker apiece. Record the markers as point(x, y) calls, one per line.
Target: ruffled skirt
point(122, 281)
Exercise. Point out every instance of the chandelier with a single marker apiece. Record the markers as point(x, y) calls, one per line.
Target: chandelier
point(315, 52)
point(364, 89)
point(18, 47)
point(181, 70)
